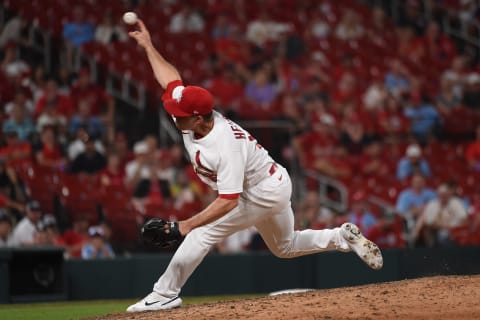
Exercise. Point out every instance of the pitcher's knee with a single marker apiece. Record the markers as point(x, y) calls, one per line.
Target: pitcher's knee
point(283, 251)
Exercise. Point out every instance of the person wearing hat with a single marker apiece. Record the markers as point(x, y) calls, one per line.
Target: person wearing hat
point(439, 217)
point(97, 247)
point(412, 163)
point(24, 232)
point(5, 228)
point(253, 190)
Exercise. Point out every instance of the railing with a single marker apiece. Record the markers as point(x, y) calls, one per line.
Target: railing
point(325, 185)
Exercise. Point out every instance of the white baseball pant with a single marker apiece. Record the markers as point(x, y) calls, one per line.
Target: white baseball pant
point(267, 207)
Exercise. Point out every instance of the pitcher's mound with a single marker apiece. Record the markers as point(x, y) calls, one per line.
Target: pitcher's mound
point(442, 297)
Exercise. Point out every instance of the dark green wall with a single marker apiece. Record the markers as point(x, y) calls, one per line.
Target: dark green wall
point(247, 273)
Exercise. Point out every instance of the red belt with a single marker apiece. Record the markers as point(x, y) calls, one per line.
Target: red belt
point(273, 169)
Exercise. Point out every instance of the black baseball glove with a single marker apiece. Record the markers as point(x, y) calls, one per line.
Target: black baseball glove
point(160, 233)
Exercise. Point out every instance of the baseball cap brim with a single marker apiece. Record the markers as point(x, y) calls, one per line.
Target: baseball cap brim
point(173, 108)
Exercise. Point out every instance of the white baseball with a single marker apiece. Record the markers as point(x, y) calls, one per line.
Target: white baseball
point(130, 17)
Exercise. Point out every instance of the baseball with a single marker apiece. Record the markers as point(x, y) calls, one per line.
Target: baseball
point(130, 17)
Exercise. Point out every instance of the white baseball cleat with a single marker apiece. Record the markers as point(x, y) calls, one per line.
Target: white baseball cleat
point(368, 251)
point(154, 302)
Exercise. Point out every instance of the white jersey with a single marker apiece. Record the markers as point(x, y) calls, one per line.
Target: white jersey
point(228, 158)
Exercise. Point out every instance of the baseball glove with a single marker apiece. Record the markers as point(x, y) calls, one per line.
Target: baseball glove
point(160, 233)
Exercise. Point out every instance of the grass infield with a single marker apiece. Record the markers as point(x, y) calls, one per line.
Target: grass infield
point(75, 310)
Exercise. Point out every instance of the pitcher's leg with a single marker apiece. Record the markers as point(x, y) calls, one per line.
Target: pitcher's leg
point(278, 233)
point(196, 246)
point(185, 260)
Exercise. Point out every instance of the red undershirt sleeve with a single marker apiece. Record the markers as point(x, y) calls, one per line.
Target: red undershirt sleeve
point(232, 196)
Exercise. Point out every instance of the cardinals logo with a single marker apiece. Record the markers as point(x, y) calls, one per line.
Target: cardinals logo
point(201, 170)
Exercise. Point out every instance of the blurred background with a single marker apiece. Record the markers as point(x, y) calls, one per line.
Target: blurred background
point(373, 106)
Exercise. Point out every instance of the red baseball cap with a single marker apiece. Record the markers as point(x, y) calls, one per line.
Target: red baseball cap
point(189, 101)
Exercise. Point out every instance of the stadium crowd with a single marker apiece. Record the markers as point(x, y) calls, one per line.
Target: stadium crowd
point(391, 109)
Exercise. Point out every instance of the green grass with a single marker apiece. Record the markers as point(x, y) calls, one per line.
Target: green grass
point(74, 310)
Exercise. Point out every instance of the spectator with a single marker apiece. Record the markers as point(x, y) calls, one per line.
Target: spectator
point(312, 214)
point(64, 80)
point(337, 166)
point(222, 28)
point(372, 162)
point(346, 91)
point(231, 50)
point(360, 214)
point(90, 161)
point(49, 226)
point(227, 88)
point(12, 189)
point(142, 175)
point(316, 144)
point(58, 105)
point(121, 148)
point(375, 96)
point(353, 137)
point(186, 194)
point(77, 146)
point(440, 49)
point(76, 33)
point(411, 201)
point(49, 152)
point(24, 232)
point(19, 123)
point(102, 105)
point(412, 16)
point(76, 237)
point(36, 85)
point(447, 100)
point(5, 228)
point(12, 65)
point(265, 29)
point(16, 152)
point(97, 247)
point(410, 46)
point(412, 163)
point(393, 123)
point(84, 118)
point(424, 118)
point(186, 20)
point(473, 152)
point(396, 79)
point(260, 89)
point(439, 217)
point(108, 31)
point(380, 32)
point(113, 175)
point(21, 100)
point(458, 74)
point(349, 27)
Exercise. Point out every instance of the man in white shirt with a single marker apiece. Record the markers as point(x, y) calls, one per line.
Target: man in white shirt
point(24, 232)
point(439, 216)
point(252, 189)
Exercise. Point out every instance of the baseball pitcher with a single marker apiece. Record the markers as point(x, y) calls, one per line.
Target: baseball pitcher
point(252, 189)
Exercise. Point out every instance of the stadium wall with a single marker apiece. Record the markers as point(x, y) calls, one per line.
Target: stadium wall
point(134, 276)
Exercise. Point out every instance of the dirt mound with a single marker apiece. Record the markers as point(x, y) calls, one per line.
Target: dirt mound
point(452, 297)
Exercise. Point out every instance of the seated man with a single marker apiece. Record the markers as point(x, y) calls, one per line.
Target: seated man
point(439, 216)
point(411, 201)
